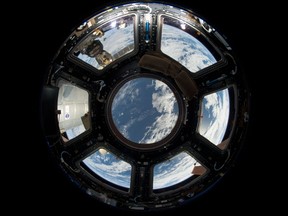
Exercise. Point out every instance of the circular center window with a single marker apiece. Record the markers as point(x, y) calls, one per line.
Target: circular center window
point(145, 110)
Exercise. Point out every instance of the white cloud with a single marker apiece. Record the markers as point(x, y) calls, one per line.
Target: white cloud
point(173, 171)
point(185, 49)
point(118, 39)
point(124, 129)
point(164, 101)
point(110, 168)
point(160, 128)
point(127, 92)
point(116, 167)
point(220, 111)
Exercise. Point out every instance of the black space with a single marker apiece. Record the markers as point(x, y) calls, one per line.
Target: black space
point(40, 184)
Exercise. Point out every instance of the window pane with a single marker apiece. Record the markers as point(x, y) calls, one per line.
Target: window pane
point(108, 43)
point(145, 110)
point(174, 171)
point(109, 167)
point(214, 116)
point(182, 43)
point(74, 110)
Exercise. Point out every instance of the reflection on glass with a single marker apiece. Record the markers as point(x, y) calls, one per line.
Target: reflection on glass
point(145, 110)
point(74, 110)
point(107, 43)
point(109, 167)
point(175, 170)
point(179, 41)
point(214, 116)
